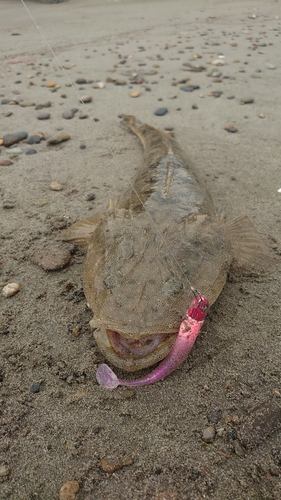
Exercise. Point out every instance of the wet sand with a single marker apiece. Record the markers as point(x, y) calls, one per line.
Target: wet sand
point(62, 432)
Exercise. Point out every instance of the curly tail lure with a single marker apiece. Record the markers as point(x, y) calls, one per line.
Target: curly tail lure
point(188, 332)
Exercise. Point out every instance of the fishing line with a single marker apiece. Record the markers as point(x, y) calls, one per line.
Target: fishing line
point(115, 161)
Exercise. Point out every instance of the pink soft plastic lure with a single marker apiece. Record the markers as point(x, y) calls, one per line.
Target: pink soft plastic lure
point(189, 329)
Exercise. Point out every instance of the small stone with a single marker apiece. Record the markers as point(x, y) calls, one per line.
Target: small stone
point(10, 289)
point(194, 106)
point(33, 139)
point(99, 85)
point(31, 152)
point(67, 115)
point(161, 111)
point(135, 94)
point(50, 85)
point(247, 100)
point(14, 151)
point(262, 421)
point(82, 146)
point(50, 256)
point(69, 490)
point(1, 142)
point(26, 104)
point(112, 466)
point(208, 434)
point(215, 93)
point(4, 470)
point(230, 128)
point(56, 186)
point(35, 388)
point(261, 115)
point(230, 97)
point(83, 116)
point(10, 139)
point(218, 62)
point(270, 66)
point(39, 134)
point(169, 128)
point(43, 116)
point(90, 197)
point(8, 114)
point(86, 98)
point(58, 138)
point(81, 81)
point(128, 393)
point(5, 163)
point(274, 470)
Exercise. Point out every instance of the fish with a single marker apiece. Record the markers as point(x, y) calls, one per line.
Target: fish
point(158, 239)
point(188, 333)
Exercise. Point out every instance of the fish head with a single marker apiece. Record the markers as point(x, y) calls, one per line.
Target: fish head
point(138, 287)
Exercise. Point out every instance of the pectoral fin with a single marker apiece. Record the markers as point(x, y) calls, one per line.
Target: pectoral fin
point(81, 232)
point(251, 255)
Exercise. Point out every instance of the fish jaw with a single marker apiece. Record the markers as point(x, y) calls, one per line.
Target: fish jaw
point(133, 354)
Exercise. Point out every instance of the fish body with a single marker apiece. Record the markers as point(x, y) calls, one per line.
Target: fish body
point(159, 238)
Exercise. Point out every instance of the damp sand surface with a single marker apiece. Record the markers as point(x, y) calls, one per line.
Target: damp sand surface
point(210, 429)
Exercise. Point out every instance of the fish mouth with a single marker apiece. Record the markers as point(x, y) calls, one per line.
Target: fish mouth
point(133, 354)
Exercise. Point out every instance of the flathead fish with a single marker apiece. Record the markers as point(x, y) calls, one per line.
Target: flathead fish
point(138, 273)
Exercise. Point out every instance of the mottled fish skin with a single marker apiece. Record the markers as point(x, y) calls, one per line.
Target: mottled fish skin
point(132, 281)
point(138, 273)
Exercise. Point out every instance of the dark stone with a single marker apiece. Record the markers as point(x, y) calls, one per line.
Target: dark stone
point(214, 416)
point(31, 152)
point(81, 81)
point(161, 111)
point(90, 197)
point(35, 388)
point(261, 422)
point(33, 139)
point(10, 139)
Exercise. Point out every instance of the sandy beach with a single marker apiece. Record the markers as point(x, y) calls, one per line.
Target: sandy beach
point(211, 430)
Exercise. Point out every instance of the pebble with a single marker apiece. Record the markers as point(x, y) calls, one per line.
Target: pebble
point(1, 142)
point(46, 104)
point(135, 94)
point(270, 66)
point(8, 114)
point(99, 85)
point(5, 163)
point(4, 470)
point(161, 111)
point(274, 470)
point(69, 490)
point(247, 100)
point(67, 115)
point(86, 98)
point(50, 256)
point(14, 151)
point(33, 139)
point(58, 138)
point(43, 116)
point(112, 466)
point(10, 139)
point(208, 434)
point(230, 128)
point(26, 104)
point(81, 81)
point(31, 151)
point(262, 421)
point(10, 289)
point(56, 186)
point(218, 62)
point(39, 134)
point(128, 393)
point(90, 197)
point(261, 115)
point(35, 388)
point(215, 93)
point(50, 85)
